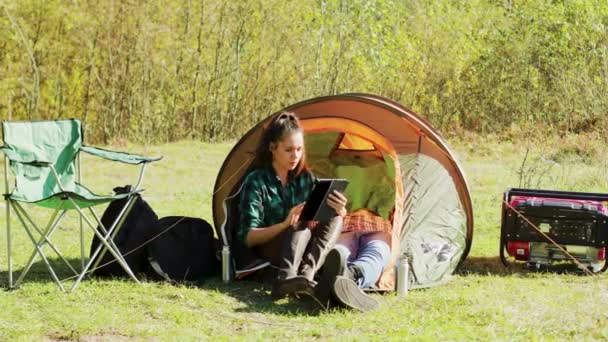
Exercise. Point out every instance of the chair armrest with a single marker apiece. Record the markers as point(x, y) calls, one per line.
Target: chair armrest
point(23, 158)
point(122, 157)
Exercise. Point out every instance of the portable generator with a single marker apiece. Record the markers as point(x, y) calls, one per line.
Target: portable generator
point(577, 222)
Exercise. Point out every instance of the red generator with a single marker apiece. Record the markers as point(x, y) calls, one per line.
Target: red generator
point(575, 221)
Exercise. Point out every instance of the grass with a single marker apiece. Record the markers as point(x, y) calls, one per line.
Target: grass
point(483, 301)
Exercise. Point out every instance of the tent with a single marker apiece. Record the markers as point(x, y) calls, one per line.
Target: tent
point(400, 166)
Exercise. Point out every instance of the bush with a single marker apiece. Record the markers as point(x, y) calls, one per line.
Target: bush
point(210, 70)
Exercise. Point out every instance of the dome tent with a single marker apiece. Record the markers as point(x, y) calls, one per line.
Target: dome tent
point(399, 167)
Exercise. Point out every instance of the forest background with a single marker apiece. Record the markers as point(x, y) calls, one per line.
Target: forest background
point(160, 71)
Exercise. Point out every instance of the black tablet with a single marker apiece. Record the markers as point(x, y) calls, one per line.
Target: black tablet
point(316, 208)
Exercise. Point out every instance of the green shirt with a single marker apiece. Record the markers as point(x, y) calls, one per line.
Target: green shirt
point(265, 202)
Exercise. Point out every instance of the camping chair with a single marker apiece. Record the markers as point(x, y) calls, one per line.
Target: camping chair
point(44, 158)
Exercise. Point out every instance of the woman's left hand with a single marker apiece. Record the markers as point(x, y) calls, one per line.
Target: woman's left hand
point(337, 201)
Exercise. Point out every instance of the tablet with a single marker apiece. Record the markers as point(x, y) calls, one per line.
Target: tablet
point(316, 208)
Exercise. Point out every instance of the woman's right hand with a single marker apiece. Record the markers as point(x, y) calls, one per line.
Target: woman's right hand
point(294, 215)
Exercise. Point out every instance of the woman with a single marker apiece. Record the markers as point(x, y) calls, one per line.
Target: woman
point(271, 201)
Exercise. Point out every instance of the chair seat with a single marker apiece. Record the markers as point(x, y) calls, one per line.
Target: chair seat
point(82, 196)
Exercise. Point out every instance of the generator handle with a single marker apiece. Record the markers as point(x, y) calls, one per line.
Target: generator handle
point(592, 196)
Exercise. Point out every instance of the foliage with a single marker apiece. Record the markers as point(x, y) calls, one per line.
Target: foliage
point(157, 71)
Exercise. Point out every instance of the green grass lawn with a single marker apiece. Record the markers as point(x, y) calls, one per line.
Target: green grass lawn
point(484, 301)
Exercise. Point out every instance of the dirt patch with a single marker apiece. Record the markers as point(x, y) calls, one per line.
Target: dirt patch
point(75, 336)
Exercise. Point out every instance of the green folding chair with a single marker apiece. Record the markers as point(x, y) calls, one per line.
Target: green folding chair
point(44, 158)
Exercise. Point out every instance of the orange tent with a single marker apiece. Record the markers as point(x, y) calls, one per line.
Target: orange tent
point(399, 167)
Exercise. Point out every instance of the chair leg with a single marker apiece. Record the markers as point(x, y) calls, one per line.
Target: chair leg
point(109, 246)
point(79, 179)
point(46, 235)
point(105, 235)
point(117, 223)
point(8, 243)
point(40, 252)
point(120, 219)
point(113, 230)
point(8, 224)
point(82, 261)
point(45, 239)
point(116, 255)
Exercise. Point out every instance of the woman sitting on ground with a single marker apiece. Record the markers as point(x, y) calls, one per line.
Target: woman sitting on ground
point(270, 205)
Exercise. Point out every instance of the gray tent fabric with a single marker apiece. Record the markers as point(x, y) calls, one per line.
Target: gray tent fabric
point(433, 235)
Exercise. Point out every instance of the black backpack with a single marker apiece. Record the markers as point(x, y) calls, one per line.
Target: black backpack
point(140, 225)
point(173, 248)
point(186, 251)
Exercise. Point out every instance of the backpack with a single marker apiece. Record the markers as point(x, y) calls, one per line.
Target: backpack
point(139, 226)
point(186, 251)
point(173, 248)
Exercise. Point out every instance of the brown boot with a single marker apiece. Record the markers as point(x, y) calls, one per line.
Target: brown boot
point(293, 285)
point(335, 265)
point(294, 244)
point(323, 239)
point(348, 293)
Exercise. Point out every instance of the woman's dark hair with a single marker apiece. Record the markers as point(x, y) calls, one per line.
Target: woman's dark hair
point(283, 125)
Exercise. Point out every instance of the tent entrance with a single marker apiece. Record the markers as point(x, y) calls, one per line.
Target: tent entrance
point(342, 148)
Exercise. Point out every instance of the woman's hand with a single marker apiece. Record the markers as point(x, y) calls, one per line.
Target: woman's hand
point(337, 201)
point(293, 216)
point(261, 235)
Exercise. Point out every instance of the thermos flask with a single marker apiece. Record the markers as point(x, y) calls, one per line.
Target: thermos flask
point(403, 269)
point(226, 264)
